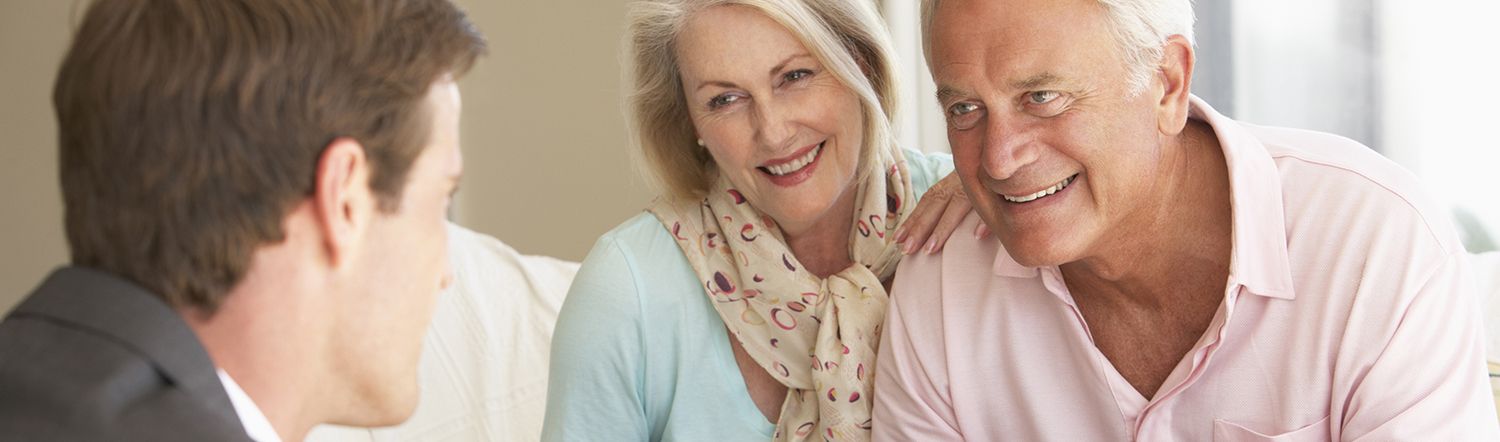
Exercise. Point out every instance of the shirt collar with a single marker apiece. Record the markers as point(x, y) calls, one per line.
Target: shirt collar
point(256, 425)
point(1258, 259)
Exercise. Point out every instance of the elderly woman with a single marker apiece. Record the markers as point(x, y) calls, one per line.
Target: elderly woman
point(747, 303)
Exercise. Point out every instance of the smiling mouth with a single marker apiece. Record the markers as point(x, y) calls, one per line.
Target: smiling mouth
point(1042, 193)
point(795, 165)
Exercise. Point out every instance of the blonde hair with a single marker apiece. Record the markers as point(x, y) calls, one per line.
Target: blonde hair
point(1140, 29)
point(846, 36)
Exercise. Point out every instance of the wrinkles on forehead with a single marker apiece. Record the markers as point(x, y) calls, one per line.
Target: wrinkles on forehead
point(1017, 45)
point(726, 44)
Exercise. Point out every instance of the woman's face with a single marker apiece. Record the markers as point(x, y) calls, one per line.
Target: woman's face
point(779, 125)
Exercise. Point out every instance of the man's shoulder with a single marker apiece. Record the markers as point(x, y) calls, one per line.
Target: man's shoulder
point(61, 382)
point(1331, 180)
point(962, 271)
point(63, 377)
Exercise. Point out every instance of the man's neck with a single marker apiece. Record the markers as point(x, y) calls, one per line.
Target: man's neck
point(1182, 240)
point(274, 361)
point(1150, 296)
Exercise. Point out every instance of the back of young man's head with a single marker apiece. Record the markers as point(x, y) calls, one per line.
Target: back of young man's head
point(190, 129)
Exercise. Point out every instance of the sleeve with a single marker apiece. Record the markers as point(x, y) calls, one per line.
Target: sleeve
point(595, 383)
point(926, 168)
point(1429, 381)
point(911, 401)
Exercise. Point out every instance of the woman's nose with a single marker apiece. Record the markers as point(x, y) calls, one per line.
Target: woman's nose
point(773, 124)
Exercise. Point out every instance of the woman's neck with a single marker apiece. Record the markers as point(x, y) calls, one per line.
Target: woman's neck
point(823, 246)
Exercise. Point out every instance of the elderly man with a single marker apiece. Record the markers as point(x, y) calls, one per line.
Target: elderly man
point(1163, 272)
point(255, 197)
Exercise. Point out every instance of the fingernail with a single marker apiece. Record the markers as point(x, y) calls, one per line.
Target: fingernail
point(901, 234)
point(931, 246)
point(905, 247)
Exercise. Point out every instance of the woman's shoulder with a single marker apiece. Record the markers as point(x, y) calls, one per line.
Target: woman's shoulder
point(633, 272)
point(636, 259)
point(637, 299)
point(926, 168)
point(643, 227)
point(642, 242)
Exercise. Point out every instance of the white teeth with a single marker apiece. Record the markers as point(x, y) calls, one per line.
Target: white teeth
point(1044, 192)
point(795, 165)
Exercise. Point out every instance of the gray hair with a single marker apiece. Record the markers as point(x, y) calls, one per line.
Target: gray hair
point(846, 36)
point(1140, 29)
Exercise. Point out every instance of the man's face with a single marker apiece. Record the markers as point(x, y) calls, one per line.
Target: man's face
point(403, 263)
point(1055, 152)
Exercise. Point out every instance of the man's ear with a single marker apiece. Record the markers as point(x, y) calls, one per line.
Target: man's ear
point(342, 199)
point(1176, 73)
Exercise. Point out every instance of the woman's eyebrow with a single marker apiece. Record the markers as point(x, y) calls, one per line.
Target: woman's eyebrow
point(787, 61)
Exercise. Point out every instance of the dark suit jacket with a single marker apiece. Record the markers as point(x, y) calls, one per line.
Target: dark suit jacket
point(89, 356)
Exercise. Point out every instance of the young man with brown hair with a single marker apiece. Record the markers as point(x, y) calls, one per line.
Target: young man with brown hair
point(255, 197)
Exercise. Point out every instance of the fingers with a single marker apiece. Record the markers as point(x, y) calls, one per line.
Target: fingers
point(982, 230)
point(913, 235)
point(958, 208)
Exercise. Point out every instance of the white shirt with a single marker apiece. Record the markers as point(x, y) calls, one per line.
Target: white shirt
point(256, 424)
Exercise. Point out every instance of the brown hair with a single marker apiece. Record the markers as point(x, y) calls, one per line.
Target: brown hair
point(188, 129)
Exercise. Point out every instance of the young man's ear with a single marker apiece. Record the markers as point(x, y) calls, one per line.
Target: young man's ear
point(342, 199)
point(1176, 74)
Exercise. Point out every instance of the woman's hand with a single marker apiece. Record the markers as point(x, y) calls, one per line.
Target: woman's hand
point(936, 217)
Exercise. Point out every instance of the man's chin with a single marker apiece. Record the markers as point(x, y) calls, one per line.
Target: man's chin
point(392, 406)
point(1033, 261)
point(1033, 251)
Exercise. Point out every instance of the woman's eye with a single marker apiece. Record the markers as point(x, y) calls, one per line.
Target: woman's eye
point(722, 100)
point(1042, 97)
point(796, 75)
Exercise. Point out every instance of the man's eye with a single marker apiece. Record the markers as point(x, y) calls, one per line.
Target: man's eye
point(1042, 97)
point(961, 109)
point(722, 100)
point(963, 116)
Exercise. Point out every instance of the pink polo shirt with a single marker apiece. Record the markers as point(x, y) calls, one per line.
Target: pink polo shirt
point(1348, 314)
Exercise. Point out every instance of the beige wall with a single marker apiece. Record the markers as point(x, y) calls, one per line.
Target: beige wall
point(544, 133)
point(32, 37)
point(544, 137)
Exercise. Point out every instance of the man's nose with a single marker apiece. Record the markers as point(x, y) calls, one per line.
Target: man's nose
point(1009, 145)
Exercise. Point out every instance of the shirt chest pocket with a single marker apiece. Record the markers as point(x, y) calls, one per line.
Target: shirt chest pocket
point(1225, 431)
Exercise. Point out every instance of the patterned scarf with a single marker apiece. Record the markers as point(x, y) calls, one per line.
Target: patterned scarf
point(816, 336)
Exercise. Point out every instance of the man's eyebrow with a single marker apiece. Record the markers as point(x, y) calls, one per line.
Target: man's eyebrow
point(947, 93)
point(1037, 81)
